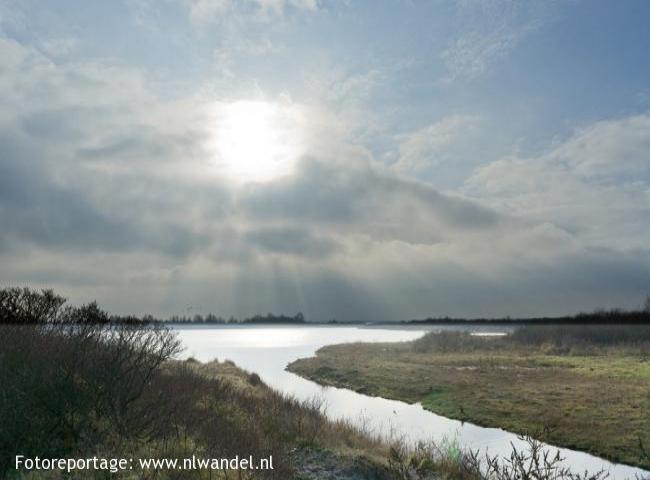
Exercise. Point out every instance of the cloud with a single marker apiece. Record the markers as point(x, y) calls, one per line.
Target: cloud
point(202, 12)
point(595, 183)
point(291, 240)
point(278, 6)
point(430, 145)
point(613, 150)
point(490, 30)
point(108, 190)
point(356, 197)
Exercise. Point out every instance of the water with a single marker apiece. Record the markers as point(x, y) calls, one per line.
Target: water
point(267, 350)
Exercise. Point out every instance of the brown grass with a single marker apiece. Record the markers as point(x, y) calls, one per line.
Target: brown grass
point(596, 401)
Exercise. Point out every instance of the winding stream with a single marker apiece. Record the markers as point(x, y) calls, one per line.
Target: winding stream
point(268, 349)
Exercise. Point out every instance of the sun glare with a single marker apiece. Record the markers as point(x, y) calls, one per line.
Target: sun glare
point(257, 141)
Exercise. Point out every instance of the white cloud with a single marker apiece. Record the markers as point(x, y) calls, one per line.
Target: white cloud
point(204, 11)
point(610, 149)
point(595, 184)
point(489, 31)
point(430, 145)
point(227, 55)
point(278, 6)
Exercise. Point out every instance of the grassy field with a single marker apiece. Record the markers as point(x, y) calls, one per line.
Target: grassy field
point(579, 388)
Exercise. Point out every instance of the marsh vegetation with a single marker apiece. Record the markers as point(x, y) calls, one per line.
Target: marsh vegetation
point(579, 386)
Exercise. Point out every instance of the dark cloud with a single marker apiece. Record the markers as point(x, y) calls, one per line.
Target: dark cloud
point(59, 124)
point(143, 146)
point(366, 201)
point(291, 240)
point(35, 208)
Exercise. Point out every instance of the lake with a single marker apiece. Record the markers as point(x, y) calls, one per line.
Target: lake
point(267, 350)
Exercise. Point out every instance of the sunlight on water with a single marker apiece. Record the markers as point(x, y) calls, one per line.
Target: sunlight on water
point(268, 350)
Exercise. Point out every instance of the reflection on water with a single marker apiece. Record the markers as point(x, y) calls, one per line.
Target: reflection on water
point(268, 350)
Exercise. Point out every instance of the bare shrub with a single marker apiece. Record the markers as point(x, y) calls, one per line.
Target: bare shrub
point(69, 380)
point(24, 306)
point(430, 460)
point(534, 463)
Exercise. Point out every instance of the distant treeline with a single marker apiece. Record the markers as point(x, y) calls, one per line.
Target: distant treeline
point(213, 319)
point(27, 306)
point(629, 317)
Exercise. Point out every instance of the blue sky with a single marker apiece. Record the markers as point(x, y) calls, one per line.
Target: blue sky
point(350, 159)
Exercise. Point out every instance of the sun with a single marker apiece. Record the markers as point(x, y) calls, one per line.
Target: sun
point(257, 141)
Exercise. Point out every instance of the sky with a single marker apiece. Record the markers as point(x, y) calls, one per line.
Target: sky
point(357, 160)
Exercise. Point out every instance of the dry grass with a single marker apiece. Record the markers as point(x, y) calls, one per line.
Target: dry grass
point(596, 401)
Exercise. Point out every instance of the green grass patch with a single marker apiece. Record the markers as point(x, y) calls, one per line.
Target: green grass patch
point(440, 400)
